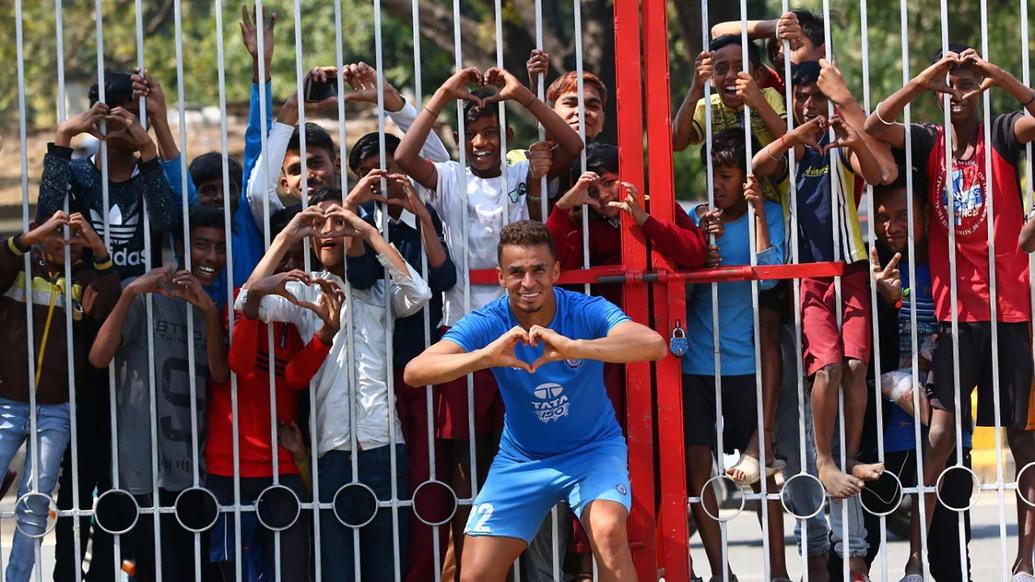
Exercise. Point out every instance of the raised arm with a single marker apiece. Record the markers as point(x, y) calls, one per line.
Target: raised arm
point(993, 76)
point(55, 180)
point(748, 90)
point(253, 133)
point(104, 288)
point(407, 155)
point(363, 80)
point(831, 82)
point(510, 89)
point(881, 123)
point(786, 28)
point(769, 161)
point(683, 131)
point(860, 157)
point(11, 261)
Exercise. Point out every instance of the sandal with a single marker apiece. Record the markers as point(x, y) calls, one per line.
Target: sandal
point(912, 578)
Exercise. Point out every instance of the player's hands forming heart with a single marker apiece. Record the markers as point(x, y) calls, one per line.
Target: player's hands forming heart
point(556, 347)
point(500, 353)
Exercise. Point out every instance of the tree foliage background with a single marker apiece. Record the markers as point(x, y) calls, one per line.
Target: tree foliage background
point(477, 20)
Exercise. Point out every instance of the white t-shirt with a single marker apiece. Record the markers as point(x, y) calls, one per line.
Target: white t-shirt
point(488, 211)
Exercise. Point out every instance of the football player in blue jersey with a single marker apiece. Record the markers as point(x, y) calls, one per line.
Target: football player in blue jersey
point(547, 348)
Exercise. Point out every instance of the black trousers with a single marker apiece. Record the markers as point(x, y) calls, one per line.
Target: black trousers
point(93, 437)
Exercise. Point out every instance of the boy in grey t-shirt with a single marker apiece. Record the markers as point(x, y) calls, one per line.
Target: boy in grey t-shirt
point(124, 337)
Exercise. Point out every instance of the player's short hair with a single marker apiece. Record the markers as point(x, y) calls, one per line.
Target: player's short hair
point(282, 217)
point(727, 150)
point(805, 73)
point(525, 233)
point(601, 157)
point(569, 83)
point(811, 26)
point(325, 194)
point(370, 145)
point(118, 90)
point(473, 112)
point(207, 167)
point(727, 39)
point(316, 138)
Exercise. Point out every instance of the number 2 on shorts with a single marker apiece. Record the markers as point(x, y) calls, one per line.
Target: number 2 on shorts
point(484, 512)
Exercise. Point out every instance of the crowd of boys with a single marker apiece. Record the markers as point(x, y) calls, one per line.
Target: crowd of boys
point(354, 285)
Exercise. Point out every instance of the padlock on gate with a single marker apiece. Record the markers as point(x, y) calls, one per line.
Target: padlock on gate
point(677, 344)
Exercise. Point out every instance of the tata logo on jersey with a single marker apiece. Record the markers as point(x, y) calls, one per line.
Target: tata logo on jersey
point(550, 402)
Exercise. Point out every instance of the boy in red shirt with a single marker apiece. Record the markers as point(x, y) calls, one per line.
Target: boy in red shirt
point(295, 363)
point(964, 74)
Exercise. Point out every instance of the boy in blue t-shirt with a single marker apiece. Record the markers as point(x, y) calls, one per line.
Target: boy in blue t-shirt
point(547, 348)
point(734, 190)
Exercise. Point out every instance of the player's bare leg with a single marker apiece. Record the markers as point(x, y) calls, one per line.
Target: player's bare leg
point(605, 521)
point(489, 558)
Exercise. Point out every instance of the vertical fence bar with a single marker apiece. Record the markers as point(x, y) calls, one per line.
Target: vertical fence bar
point(913, 339)
point(101, 96)
point(871, 213)
point(227, 226)
point(389, 318)
point(77, 542)
point(953, 288)
point(993, 317)
point(32, 444)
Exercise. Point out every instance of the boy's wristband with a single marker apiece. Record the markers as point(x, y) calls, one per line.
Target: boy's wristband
point(103, 263)
point(16, 246)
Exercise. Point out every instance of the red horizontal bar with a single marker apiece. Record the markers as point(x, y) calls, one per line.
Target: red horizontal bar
point(760, 273)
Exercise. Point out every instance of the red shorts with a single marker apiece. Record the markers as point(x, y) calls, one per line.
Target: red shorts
point(823, 344)
point(451, 417)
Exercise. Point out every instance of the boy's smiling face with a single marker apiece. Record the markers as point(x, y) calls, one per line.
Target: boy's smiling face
point(207, 253)
point(963, 79)
point(607, 189)
point(482, 144)
point(728, 63)
point(892, 223)
point(321, 170)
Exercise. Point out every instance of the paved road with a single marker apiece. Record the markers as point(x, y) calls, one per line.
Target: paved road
point(746, 547)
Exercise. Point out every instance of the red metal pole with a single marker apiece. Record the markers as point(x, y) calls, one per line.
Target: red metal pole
point(669, 302)
point(629, 99)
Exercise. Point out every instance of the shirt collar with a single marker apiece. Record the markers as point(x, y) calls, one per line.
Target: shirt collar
point(406, 217)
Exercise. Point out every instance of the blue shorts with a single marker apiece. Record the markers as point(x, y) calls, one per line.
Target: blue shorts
point(519, 491)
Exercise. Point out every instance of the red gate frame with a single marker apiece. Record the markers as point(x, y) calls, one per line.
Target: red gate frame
point(639, 401)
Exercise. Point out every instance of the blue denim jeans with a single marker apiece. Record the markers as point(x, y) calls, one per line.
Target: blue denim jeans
point(52, 433)
point(376, 538)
